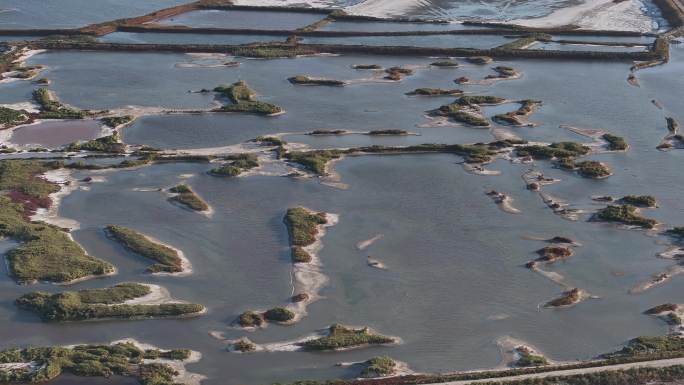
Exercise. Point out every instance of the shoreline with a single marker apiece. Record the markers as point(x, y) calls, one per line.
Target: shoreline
point(186, 266)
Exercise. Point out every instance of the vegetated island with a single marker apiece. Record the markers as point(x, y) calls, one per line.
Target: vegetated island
point(569, 298)
point(434, 92)
point(303, 227)
point(647, 201)
point(236, 165)
point(149, 365)
point(382, 367)
point(47, 252)
point(169, 260)
point(625, 214)
point(310, 81)
point(254, 319)
point(551, 254)
point(185, 196)
point(481, 60)
point(117, 121)
point(445, 64)
point(398, 73)
point(467, 110)
point(519, 117)
point(589, 168)
point(671, 313)
point(123, 301)
point(388, 132)
point(334, 338)
point(615, 143)
point(243, 99)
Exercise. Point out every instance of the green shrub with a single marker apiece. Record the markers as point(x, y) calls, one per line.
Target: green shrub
point(111, 143)
point(236, 165)
point(314, 161)
point(592, 169)
point(116, 121)
point(244, 100)
point(554, 150)
point(10, 117)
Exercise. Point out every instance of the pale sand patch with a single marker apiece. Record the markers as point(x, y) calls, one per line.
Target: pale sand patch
point(596, 14)
point(294, 345)
point(67, 183)
point(186, 266)
point(383, 8)
point(672, 252)
point(657, 279)
point(508, 348)
point(184, 376)
point(478, 169)
point(27, 106)
point(308, 277)
point(365, 244)
point(158, 295)
point(25, 55)
point(503, 201)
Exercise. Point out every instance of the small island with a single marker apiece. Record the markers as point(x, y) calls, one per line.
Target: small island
point(243, 99)
point(470, 115)
point(481, 60)
point(646, 201)
point(123, 301)
point(389, 132)
point(117, 121)
point(381, 366)
point(526, 357)
point(445, 64)
point(169, 260)
point(625, 214)
point(554, 150)
point(519, 116)
point(253, 319)
point(615, 143)
point(554, 253)
point(434, 92)
point(568, 298)
point(236, 165)
point(185, 196)
point(398, 73)
point(341, 337)
point(367, 67)
point(314, 161)
point(309, 81)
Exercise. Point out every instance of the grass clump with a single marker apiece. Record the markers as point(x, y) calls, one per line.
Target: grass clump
point(554, 150)
point(168, 260)
point(236, 165)
point(100, 304)
point(111, 144)
point(243, 99)
point(187, 197)
point(116, 121)
point(615, 143)
point(340, 337)
point(380, 366)
point(625, 214)
point(244, 345)
point(309, 81)
point(640, 200)
point(279, 314)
